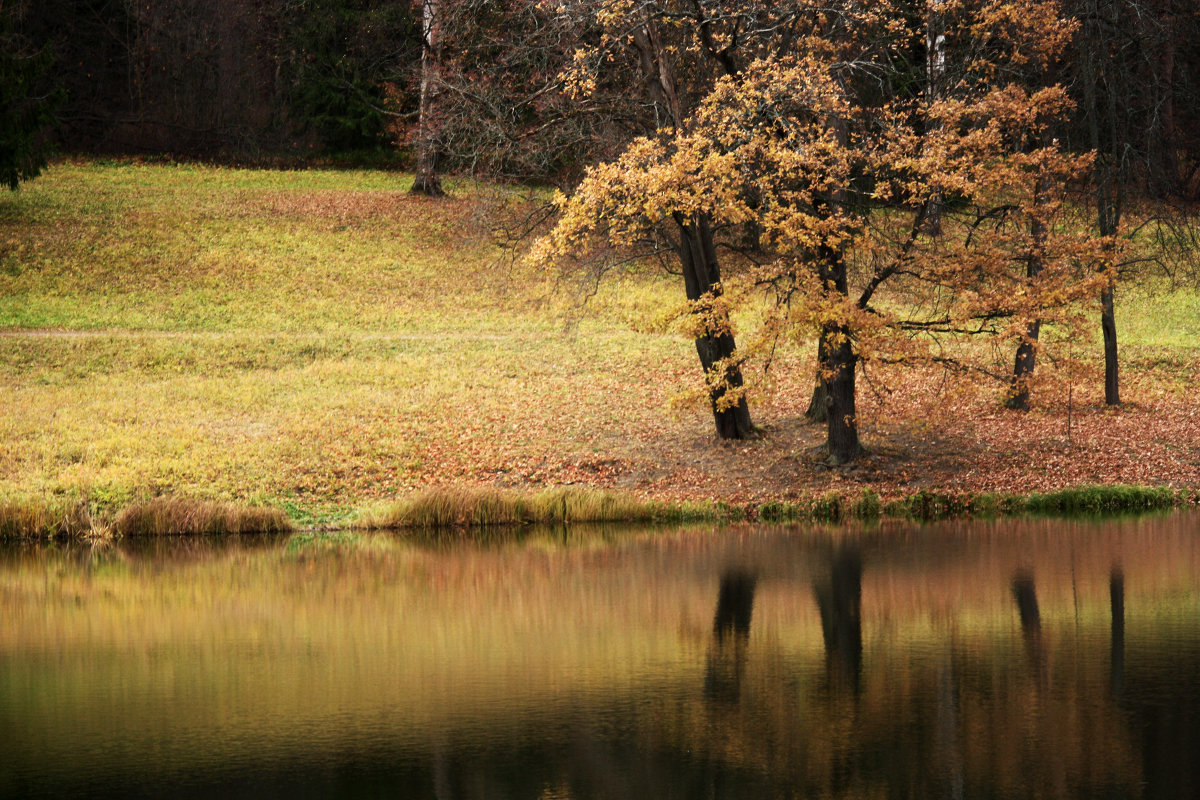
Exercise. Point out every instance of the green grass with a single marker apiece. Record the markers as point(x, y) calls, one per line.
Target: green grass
point(478, 511)
point(1074, 501)
point(315, 340)
point(1102, 500)
point(319, 341)
point(1156, 315)
point(830, 507)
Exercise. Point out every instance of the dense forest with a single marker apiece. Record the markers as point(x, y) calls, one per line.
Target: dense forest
point(266, 78)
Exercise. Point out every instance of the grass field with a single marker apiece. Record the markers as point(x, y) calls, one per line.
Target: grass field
point(320, 341)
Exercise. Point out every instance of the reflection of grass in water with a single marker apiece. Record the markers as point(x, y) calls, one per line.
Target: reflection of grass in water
point(308, 543)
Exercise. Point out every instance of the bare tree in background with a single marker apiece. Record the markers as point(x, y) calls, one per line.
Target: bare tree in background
point(427, 180)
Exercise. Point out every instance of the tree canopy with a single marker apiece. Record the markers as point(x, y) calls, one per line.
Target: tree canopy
point(832, 155)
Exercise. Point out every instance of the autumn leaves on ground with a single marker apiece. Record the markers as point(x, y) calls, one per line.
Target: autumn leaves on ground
point(320, 341)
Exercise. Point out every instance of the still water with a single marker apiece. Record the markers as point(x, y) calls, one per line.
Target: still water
point(1005, 659)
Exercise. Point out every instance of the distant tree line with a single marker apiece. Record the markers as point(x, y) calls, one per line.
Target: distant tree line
point(252, 77)
point(236, 78)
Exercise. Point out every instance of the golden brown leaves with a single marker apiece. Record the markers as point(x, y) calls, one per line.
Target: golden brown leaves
point(945, 209)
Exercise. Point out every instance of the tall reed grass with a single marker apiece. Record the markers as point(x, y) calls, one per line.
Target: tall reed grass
point(179, 516)
point(42, 518)
point(472, 507)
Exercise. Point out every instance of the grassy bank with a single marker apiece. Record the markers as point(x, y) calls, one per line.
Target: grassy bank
point(321, 342)
point(477, 509)
point(927, 505)
point(39, 518)
point(484, 507)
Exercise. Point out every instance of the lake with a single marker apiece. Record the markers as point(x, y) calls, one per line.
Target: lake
point(1004, 659)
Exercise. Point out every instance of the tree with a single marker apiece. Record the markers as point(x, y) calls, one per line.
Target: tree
point(340, 60)
point(1134, 80)
point(1110, 164)
point(836, 155)
point(649, 65)
point(501, 109)
point(28, 102)
point(427, 181)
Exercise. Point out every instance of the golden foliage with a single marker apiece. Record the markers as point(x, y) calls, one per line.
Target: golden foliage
point(946, 207)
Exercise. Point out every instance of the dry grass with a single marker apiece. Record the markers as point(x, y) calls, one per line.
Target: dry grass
point(72, 518)
point(487, 506)
point(39, 518)
point(177, 516)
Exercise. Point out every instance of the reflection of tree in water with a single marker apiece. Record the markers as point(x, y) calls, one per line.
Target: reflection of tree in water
point(1116, 595)
point(836, 698)
point(731, 636)
point(840, 604)
point(1162, 706)
point(1025, 594)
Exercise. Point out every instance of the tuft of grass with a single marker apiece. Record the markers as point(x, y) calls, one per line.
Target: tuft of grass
point(479, 507)
point(39, 518)
point(927, 505)
point(1102, 500)
point(932, 505)
point(569, 505)
point(829, 507)
point(178, 516)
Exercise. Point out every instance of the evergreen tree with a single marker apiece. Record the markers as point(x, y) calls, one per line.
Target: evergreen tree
point(27, 104)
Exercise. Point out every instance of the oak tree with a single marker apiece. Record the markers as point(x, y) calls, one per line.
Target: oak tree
point(835, 154)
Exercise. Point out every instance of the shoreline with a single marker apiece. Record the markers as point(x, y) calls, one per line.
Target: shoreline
point(471, 510)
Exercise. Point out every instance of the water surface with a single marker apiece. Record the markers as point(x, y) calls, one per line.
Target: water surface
point(1002, 659)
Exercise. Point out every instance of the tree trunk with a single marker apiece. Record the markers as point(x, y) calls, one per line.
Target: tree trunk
point(1169, 144)
point(1108, 323)
point(715, 347)
point(1026, 360)
point(733, 422)
point(838, 364)
point(842, 418)
point(818, 406)
point(935, 70)
point(698, 258)
point(1106, 174)
point(1018, 397)
point(426, 180)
